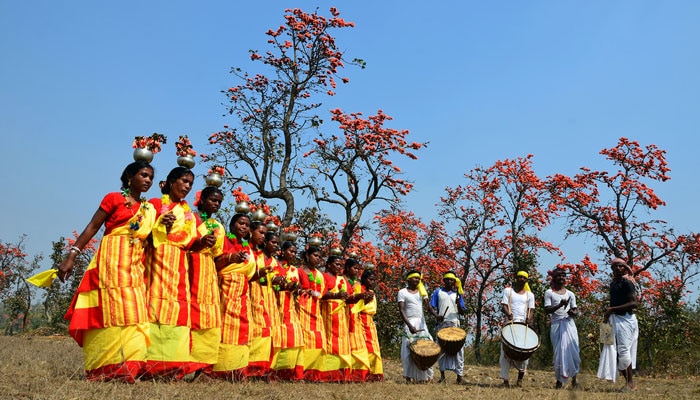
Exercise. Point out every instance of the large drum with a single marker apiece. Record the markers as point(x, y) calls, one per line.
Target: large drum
point(424, 353)
point(451, 339)
point(519, 341)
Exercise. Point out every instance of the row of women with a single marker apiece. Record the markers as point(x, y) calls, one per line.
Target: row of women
point(169, 294)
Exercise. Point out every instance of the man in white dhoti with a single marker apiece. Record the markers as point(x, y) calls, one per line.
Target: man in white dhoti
point(518, 305)
point(620, 315)
point(449, 304)
point(411, 300)
point(561, 304)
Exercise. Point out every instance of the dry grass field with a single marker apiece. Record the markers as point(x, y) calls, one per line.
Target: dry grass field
point(40, 367)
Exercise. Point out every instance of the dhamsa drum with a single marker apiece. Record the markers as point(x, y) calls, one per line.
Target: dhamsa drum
point(424, 352)
point(519, 341)
point(451, 339)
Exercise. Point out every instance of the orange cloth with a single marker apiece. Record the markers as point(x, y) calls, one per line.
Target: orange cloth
point(167, 274)
point(372, 340)
point(108, 315)
point(312, 325)
point(287, 339)
point(235, 312)
point(335, 319)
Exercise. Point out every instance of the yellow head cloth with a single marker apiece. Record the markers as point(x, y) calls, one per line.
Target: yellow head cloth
point(458, 282)
point(523, 273)
point(43, 279)
point(421, 287)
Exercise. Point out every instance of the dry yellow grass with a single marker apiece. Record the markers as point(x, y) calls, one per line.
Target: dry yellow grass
point(51, 368)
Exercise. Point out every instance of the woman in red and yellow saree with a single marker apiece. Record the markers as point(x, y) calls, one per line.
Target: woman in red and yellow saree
point(309, 303)
point(359, 369)
point(335, 322)
point(108, 316)
point(167, 279)
point(235, 266)
point(205, 310)
point(263, 304)
point(288, 338)
point(369, 309)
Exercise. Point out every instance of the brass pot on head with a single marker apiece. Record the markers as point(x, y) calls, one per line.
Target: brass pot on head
point(369, 266)
point(352, 255)
point(214, 179)
point(315, 241)
point(143, 154)
point(258, 215)
point(272, 227)
point(242, 207)
point(289, 236)
point(336, 251)
point(186, 161)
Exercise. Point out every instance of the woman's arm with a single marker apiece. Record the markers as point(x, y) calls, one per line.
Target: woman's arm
point(66, 267)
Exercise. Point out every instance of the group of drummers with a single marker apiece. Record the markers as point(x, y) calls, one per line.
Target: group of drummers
point(518, 341)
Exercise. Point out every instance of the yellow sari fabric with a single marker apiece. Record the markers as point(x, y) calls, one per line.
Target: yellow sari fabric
point(205, 309)
point(235, 329)
point(108, 315)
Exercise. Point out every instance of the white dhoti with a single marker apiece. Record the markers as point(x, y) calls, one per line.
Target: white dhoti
point(567, 360)
point(623, 352)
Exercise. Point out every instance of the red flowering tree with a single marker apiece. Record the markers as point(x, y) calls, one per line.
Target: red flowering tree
point(614, 208)
point(355, 169)
point(405, 243)
point(499, 213)
point(276, 108)
point(15, 291)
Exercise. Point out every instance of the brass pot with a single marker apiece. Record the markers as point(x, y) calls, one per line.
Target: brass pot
point(271, 227)
point(258, 215)
point(214, 179)
point(315, 241)
point(242, 208)
point(186, 161)
point(143, 154)
point(289, 236)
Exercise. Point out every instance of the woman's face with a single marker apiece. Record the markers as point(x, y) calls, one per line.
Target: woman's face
point(257, 237)
point(370, 281)
point(181, 187)
point(211, 204)
point(141, 181)
point(241, 227)
point(272, 245)
point(289, 254)
point(334, 267)
point(313, 260)
point(354, 271)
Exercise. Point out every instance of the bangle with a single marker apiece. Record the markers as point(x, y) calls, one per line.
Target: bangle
point(75, 249)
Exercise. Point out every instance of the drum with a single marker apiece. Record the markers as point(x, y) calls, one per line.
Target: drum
point(451, 339)
point(519, 341)
point(424, 352)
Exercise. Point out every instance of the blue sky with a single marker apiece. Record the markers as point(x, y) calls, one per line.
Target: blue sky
point(481, 81)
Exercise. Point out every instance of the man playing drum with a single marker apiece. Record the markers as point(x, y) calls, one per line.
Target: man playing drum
point(449, 304)
point(518, 305)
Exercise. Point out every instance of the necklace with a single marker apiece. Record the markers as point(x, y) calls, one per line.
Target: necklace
point(167, 206)
point(209, 222)
point(233, 238)
point(143, 207)
point(315, 283)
